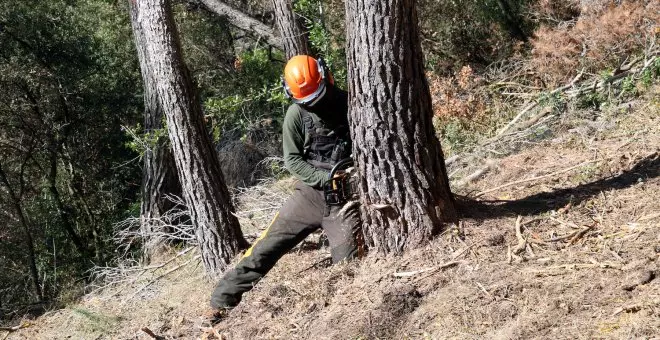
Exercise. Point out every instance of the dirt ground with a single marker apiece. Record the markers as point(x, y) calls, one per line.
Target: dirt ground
point(571, 255)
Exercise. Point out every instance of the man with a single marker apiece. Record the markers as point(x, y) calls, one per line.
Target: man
point(315, 138)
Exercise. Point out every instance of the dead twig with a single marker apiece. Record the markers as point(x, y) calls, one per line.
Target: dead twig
point(574, 236)
point(580, 234)
point(483, 289)
point(536, 178)
point(522, 242)
point(430, 269)
point(316, 264)
point(567, 224)
point(152, 334)
point(628, 309)
point(15, 328)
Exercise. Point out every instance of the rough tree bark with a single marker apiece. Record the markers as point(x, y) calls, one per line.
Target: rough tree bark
point(204, 190)
point(159, 178)
point(294, 38)
point(404, 188)
point(243, 21)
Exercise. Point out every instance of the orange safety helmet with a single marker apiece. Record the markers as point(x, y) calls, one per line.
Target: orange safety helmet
point(306, 79)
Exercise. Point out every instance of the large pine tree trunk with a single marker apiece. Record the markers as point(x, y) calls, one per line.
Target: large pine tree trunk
point(159, 178)
point(204, 189)
point(294, 39)
point(404, 188)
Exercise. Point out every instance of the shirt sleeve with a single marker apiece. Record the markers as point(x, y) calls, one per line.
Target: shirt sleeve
point(293, 141)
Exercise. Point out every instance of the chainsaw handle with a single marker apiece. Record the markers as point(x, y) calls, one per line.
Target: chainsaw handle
point(343, 164)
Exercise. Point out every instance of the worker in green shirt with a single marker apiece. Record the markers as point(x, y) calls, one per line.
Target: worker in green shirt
point(315, 138)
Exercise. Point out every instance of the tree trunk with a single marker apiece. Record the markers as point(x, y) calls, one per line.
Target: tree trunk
point(243, 21)
point(294, 38)
point(27, 235)
point(64, 211)
point(204, 190)
point(404, 188)
point(159, 178)
point(53, 148)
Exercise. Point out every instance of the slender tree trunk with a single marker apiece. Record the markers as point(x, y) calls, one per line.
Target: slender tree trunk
point(159, 177)
point(404, 188)
point(243, 21)
point(294, 38)
point(27, 235)
point(204, 190)
point(64, 211)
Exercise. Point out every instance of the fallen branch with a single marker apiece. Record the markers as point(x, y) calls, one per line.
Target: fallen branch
point(472, 177)
point(536, 178)
point(15, 328)
point(634, 308)
point(533, 105)
point(141, 271)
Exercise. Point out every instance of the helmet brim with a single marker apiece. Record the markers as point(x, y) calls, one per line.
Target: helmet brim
point(314, 97)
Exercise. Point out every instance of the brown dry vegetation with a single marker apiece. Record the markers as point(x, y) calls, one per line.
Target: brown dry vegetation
point(601, 284)
point(589, 37)
point(598, 39)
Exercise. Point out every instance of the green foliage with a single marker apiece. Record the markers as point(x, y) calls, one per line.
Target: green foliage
point(591, 100)
point(69, 80)
point(254, 93)
point(651, 74)
point(325, 42)
point(459, 32)
point(139, 142)
point(455, 135)
point(553, 100)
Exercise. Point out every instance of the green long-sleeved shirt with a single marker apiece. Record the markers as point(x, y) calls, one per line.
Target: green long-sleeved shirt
point(295, 138)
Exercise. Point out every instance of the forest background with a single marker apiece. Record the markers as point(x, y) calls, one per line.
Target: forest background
point(71, 107)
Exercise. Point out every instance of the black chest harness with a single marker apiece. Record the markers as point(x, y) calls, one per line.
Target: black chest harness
point(327, 144)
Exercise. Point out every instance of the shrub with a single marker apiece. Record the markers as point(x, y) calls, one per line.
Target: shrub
point(600, 38)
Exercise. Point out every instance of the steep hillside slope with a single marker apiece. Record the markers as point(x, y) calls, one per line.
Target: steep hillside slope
point(567, 246)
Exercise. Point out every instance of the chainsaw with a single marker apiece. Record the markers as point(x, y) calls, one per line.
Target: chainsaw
point(340, 188)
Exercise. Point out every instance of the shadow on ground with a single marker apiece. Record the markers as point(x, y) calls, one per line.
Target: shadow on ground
point(646, 169)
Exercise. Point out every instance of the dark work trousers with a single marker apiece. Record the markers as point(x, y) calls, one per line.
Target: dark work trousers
point(303, 213)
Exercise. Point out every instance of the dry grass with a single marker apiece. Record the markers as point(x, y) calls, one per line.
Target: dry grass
point(594, 285)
